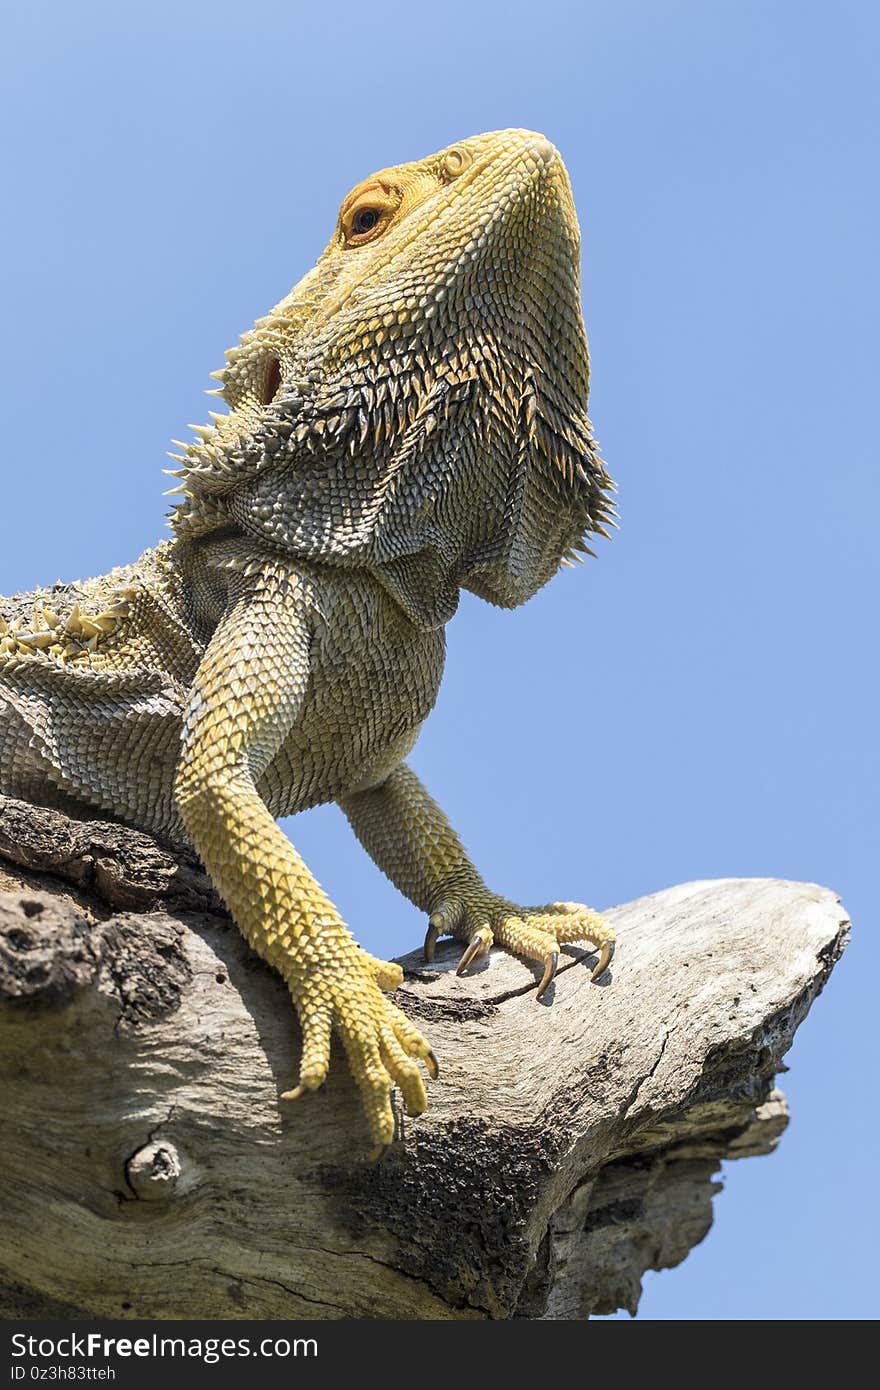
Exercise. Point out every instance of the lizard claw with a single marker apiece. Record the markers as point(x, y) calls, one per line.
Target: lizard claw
point(476, 947)
point(550, 965)
point(533, 932)
point(442, 922)
point(605, 955)
point(434, 930)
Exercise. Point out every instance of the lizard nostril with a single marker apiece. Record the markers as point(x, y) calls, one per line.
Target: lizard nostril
point(271, 381)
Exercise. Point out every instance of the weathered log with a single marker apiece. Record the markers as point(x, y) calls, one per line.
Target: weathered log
point(152, 1171)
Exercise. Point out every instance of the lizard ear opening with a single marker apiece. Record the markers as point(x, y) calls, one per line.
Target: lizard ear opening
point(271, 381)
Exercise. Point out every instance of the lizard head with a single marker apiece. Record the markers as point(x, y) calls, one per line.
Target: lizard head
point(417, 404)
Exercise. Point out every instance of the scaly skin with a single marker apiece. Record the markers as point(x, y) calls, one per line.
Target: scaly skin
point(409, 421)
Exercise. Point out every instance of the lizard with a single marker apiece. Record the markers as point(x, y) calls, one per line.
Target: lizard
point(410, 421)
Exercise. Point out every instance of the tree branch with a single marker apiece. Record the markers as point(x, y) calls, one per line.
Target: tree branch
point(151, 1170)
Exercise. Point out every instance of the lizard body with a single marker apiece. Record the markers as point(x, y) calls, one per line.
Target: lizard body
point(409, 421)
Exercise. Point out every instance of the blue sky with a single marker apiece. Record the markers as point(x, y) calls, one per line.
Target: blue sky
point(702, 700)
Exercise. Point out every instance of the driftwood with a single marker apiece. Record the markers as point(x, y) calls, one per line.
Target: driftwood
point(150, 1169)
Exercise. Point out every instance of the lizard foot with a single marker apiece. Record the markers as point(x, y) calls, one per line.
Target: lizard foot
point(533, 932)
point(382, 1045)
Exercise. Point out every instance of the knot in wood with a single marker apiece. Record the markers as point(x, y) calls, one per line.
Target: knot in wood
point(153, 1172)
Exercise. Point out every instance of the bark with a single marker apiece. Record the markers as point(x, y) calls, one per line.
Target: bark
point(151, 1170)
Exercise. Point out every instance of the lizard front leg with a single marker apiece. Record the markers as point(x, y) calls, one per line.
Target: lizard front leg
point(245, 699)
point(407, 835)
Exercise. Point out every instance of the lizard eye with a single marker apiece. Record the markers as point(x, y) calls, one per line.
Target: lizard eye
point(271, 381)
point(368, 211)
point(365, 221)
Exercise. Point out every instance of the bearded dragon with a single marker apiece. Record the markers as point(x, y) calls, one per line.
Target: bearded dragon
point(410, 421)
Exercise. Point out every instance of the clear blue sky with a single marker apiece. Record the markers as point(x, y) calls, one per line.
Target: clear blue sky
point(702, 700)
